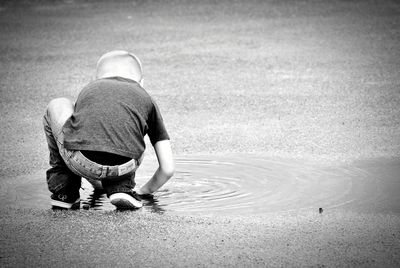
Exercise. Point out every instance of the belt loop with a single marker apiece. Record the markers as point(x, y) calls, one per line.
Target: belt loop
point(104, 170)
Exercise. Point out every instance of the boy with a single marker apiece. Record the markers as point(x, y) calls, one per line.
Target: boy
point(101, 136)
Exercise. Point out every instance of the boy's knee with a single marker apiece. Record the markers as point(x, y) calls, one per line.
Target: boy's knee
point(59, 103)
point(60, 108)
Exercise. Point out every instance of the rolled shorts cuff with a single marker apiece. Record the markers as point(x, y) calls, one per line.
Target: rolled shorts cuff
point(110, 191)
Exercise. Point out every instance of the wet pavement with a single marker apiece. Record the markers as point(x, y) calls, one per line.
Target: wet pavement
point(244, 185)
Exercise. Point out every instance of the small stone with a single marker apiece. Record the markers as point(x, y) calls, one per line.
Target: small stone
point(321, 210)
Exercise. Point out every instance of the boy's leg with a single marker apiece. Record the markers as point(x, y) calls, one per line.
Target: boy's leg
point(120, 191)
point(124, 184)
point(62, 182)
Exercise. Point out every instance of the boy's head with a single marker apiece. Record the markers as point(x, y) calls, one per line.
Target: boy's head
point(120, 63)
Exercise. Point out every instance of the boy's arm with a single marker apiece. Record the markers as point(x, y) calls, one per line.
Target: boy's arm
point(165, 170)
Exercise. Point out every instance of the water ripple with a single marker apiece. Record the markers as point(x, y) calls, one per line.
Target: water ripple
point(242, 185)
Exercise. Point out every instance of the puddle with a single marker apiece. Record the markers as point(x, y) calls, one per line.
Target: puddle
point(244, 185)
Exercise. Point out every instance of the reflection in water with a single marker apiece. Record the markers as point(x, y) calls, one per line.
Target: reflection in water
point(151, 204)
point(97, 199)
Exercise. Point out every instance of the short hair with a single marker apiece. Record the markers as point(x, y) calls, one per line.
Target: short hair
point(114, 57)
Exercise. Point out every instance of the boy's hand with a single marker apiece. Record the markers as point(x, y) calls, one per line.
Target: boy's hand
point(165, 169)
point(143, 195)
point(139, 192)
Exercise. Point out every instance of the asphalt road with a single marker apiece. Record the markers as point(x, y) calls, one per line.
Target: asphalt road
point(308, 80)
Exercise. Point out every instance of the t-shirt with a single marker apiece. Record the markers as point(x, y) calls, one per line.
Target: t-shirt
point(113, 115)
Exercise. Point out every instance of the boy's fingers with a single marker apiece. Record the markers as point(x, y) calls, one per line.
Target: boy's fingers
point(146, 196)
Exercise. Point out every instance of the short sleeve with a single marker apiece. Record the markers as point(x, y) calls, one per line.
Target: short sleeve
point(156, 128)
